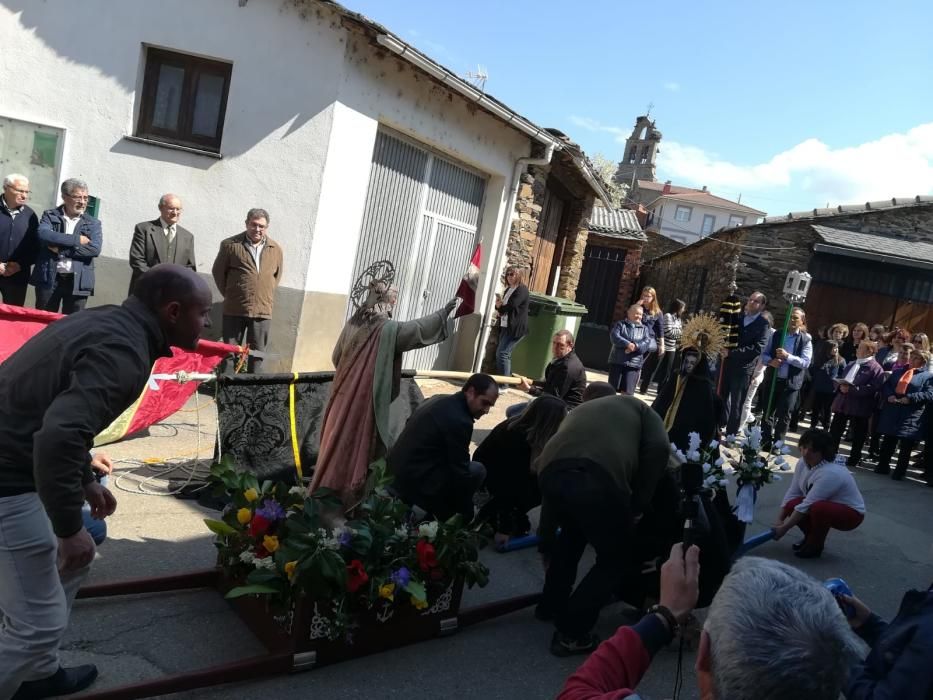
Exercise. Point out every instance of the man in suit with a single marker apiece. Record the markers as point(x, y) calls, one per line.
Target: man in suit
point(19, 241)
point(741, 360)
point(161, 241)
point(69, 240)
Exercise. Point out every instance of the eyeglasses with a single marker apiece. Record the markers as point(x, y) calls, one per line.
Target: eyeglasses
point(18, 191)
point(77, 198)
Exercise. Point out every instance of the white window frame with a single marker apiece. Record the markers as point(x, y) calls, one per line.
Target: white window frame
point(680, 208)
point(736, 220)
point(711, 218)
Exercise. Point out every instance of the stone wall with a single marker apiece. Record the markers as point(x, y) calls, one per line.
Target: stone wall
point(524, 227)
point(699, 274)
point(658, 245)
point(575, 233)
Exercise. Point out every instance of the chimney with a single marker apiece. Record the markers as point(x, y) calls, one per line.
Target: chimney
point(667, 188)
point(704, 188)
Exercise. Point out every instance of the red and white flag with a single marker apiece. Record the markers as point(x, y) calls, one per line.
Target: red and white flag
point(467, 290)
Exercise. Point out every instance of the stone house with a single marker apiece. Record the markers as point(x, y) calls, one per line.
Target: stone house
point(871, 262)
point(361, 147)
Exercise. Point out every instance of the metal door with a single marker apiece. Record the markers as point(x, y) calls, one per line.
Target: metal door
point(422, 213)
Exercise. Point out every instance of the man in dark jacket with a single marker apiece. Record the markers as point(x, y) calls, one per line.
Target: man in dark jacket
point(19, 242)
point(564, 377)
point(898, 665)
point(597, 475)
point(431, 458)
point(788, 356)
point(161, 240)
point(57, 392)
point(740, 361)
point(70, 239)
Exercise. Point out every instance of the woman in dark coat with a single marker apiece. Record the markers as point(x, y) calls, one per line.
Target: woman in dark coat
point(513, 318)
point(653, 318)
point(509, 453)
point(905, 396)
point(856, 399)
point(826, 368)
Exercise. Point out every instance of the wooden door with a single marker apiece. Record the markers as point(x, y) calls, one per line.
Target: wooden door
point(542, 253)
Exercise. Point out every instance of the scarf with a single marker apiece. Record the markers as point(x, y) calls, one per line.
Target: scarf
point(904, 382)
point(853, 370)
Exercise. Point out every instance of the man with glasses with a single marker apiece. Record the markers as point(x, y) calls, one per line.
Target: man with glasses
point(69, 240)
point(19, 243)
point(161, 240)
point(740, 361)
point(247, 270)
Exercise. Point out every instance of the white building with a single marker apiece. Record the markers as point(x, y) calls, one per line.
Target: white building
point(359, 146)
point(686, 215)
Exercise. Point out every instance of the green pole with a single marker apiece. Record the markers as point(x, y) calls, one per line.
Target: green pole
point(774, 374)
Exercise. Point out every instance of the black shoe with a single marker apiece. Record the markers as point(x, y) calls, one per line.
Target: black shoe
point(798, 545)
point(809, 552)
point(63, 682)
point(544, 614)
point(562, 645)
point(882, 470)
point(897, 476)
point(850, 464)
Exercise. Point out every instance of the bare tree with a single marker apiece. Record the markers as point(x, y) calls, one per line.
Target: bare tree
point(618, 192)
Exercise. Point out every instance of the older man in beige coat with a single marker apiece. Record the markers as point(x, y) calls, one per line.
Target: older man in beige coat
point(247, 270)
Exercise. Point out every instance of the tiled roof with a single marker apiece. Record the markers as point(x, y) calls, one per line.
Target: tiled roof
point(892, 203)
point(616, 223)
point(895, 250)
point(659, 186)
point(705, 198)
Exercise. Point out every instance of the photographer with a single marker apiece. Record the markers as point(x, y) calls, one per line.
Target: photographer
point(899, 663)
point(772, 633)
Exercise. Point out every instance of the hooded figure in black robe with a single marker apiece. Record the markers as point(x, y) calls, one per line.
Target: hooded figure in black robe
point(687, 403)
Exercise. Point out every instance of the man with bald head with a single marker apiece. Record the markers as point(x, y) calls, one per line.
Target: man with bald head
point(57, 392)
point(161, 240)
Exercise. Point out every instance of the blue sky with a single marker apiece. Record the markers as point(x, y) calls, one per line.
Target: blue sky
point(793, 104)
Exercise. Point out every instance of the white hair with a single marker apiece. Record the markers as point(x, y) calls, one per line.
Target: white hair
point(73, 184)
point(11, 179)
point(777, 633)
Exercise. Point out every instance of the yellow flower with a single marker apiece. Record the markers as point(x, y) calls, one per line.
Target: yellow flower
point(419, 604)
point(387, 591)
point(290, 569)
point(271, 543)
point(244, 515)
point(250, 495)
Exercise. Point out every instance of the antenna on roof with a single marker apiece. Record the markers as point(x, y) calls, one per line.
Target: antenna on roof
point(479, 77)
point(650, 107)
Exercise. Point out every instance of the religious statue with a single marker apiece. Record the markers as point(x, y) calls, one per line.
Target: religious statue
point(368, 362)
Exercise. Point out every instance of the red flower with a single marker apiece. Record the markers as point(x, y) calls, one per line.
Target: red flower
point(258, 526)
point(356, 575)
point(427, 557)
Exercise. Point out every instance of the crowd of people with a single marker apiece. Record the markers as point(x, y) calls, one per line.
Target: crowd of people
point(595, 458)
point(55, 253)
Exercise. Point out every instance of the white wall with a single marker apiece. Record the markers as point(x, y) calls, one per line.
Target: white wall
point(307, 96)
point(690, 231)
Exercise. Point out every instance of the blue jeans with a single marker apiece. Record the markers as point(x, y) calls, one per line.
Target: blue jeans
point(97, 529)
point(507, 342)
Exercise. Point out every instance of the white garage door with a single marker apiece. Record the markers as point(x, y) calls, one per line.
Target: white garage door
point(422, 214)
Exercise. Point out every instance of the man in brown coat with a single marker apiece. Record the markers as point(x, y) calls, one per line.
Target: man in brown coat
point(247, 270)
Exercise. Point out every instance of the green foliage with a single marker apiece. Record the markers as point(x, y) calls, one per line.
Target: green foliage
point(282, 542)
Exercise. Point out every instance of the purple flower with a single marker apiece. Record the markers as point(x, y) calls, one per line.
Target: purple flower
point(345, 537)
point(401, 577)
point(271, 511)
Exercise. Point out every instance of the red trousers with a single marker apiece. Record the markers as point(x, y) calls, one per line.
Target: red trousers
point(822, 516)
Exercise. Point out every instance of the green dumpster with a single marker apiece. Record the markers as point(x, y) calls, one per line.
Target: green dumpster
point(546, 316)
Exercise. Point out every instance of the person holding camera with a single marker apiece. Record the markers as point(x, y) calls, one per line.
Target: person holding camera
point(898, 665)
point(772, 633)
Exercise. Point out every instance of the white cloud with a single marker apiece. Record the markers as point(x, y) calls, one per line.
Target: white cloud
point(592, 125)
point(672, 85)
point(893, 165)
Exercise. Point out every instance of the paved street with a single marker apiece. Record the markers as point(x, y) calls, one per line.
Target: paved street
point(138, 638)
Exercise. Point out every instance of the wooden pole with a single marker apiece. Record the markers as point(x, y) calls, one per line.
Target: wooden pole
point(774, 374)
point(461, 376)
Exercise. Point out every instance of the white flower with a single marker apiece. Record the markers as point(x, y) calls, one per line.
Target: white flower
point(730, 439)
point(754, 438)
point(720, 461)
point(694, 442)
point(328, 541)
point(785, 450)
point(401, 531)
point(680, 457)
point(674, 448)
point(713, 444)
point(265, 563)
point(247, 557)
point(778, 444)
point(298, 490)
point(693, 456)
point(707, 467)
point(723, 482)
point(728, 470)
point(775, 477)
point(428, 530)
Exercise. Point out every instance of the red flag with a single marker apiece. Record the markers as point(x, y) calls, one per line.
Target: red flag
point(467, 290)
point(18, 324)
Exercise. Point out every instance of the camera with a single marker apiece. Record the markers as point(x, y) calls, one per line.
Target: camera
point(696, 523)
